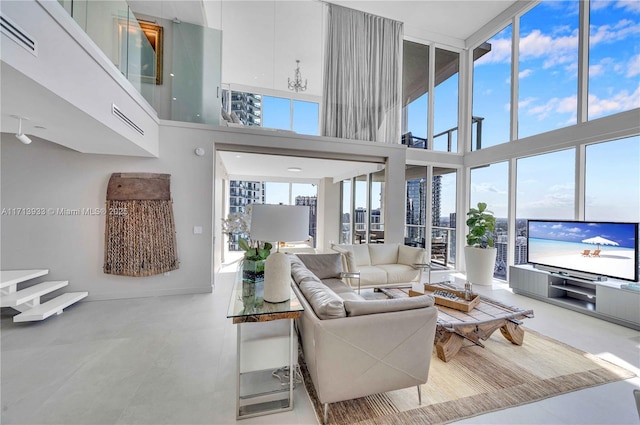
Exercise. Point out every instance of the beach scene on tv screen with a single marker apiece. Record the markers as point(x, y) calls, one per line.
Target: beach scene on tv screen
point(606, 249)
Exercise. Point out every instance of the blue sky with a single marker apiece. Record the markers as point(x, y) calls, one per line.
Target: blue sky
point(623, 234)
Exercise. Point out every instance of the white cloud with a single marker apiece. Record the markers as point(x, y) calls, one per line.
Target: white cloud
point(554, 105)
point(524, 103)
point(633, 66)
point(595, 70)
point(500, 52)
point(562, 187)
point(621, 101)
point(612, 33)
point(632, 6)
point(486, 187)
point(525, 73)
point(556, 50)
point(554, 200)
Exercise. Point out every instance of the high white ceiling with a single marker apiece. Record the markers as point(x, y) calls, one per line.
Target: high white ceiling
point(454, 19)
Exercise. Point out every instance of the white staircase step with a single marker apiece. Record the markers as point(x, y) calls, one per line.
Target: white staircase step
point(31, 293)
point(13, 277)
point(49, 308)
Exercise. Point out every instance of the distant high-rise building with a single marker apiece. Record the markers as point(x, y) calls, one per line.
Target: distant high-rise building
point(416, 204)
point(375, 219)
point(436, 190)
point(312, 203)
point(242, 194)
point(521, 250)
point(247, 107)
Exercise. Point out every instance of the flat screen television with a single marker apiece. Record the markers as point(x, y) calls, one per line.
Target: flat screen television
point(588, 249)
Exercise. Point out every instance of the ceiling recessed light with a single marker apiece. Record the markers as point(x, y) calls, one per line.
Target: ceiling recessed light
point(172, 74)
point(294, 169)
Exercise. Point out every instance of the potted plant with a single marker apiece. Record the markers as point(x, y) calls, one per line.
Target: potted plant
point(255, 252)
point(255, 255)
point(480, 253)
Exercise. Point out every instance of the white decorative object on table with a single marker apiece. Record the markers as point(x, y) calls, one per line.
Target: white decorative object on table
point(278, 223)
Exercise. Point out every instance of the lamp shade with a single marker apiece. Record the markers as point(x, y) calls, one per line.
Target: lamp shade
point(279, 223)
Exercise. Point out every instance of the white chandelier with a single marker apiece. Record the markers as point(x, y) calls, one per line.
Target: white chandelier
point(296, 84)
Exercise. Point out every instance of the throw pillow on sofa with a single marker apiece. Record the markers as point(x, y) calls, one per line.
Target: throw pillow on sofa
point(325, 303)
point(360, 308)
point(410, 255)
point(324, 266)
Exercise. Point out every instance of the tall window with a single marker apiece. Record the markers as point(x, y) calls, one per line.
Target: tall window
point(548, 82)
point(360, 210)
point(345, 228)
point(614, 57)
point(415, 86)
point(416, 205)
point(489, 185)
point(376, 215)
point(443, 235)
point(492, 91)
point(545, 190)
point(612, 180)
point(445, 109)
point(546, 185)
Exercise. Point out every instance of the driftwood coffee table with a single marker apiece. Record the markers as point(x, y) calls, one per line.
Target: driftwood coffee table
point(455, 326)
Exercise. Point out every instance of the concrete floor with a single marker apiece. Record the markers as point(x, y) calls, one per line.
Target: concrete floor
point(171, 360)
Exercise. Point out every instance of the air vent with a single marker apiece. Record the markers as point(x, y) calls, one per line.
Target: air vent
point(17, 34)
point(118, 113)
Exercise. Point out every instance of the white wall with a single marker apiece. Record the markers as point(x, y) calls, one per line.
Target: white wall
point(329, 214)
point(47, 175)
point(263, 39)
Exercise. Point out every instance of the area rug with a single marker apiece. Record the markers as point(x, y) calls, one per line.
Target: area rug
point(479, 380)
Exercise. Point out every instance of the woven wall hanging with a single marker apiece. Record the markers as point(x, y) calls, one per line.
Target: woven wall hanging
point(140, 234)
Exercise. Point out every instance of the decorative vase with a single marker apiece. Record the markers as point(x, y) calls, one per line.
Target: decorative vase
point(252, 273)
point(480, 263)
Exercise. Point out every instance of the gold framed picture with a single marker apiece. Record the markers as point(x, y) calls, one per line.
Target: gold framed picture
point(149, 63)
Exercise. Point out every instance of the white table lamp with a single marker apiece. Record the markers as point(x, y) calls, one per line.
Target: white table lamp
point(278, 223)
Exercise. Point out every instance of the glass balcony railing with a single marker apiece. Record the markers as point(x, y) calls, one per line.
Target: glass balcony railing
point(180, 79)
point(448, 136)
point(116, 31)
point(443, 249)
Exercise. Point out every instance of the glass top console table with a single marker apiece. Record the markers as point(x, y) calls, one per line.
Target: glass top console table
point(266, 341)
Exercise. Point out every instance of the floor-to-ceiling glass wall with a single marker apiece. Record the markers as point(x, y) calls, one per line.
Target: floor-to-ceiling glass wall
point(360, 209)
point(612, 180)
point(346, 212)
point(416, 205)
point(376, 215)
point(489, 184)
point(443, 216)
point(545, 190)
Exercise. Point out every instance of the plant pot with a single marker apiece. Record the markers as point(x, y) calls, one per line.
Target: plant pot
point(480, 263)
point(253, 270)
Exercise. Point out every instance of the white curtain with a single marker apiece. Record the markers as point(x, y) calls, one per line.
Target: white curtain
point(362, 84)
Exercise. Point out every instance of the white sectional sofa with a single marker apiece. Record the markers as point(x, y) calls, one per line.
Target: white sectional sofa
point(354, 347)
point(387, 264)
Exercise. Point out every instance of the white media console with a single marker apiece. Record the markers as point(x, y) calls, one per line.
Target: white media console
point(603, 299)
